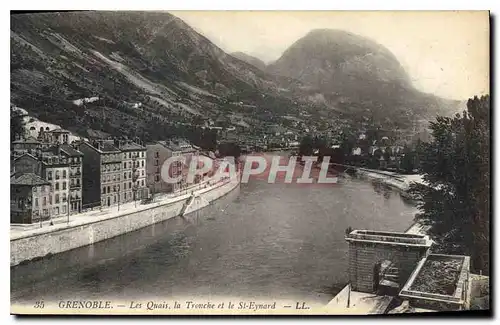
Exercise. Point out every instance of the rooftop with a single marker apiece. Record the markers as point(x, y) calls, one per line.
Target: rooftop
point(29, 179)
point(69, 150)
point(27, 140)
point(58, 131)
point(131, 146)
point(107, 147)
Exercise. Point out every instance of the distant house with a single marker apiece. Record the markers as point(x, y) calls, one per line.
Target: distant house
point(29, 145)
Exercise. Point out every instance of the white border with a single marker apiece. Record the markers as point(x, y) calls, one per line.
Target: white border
point(198, 5)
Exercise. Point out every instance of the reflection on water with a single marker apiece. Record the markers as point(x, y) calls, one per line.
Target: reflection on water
point(263, 240)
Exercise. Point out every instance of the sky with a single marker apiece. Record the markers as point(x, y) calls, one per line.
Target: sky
point(445, 53)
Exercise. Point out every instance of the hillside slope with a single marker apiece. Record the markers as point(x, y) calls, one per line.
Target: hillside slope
point(145, 67)
point(258, 63)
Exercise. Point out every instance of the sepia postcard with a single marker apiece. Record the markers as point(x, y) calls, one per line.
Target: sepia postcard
point(250, 163)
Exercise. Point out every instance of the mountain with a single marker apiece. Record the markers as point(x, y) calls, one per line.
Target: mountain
point(250, 60)
point(150, 75)
point(355, 75)
point(146, 72)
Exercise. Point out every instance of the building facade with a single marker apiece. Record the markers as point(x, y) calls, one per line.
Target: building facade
point(29, 199)
point(133, 172)
point(52, 166)
point(102, 173)
point(75, 159)
point(55, 169)
point(157, 153)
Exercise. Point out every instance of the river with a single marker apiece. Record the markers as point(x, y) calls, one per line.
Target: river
point(262, 240)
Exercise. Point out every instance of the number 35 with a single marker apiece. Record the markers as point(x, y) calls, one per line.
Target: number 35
point(39, 304)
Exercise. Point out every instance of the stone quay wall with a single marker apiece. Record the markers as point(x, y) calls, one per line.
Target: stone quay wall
point(53, 241)
point(364, 256)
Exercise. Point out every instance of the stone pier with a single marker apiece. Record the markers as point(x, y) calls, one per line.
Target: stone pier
point(372, 252)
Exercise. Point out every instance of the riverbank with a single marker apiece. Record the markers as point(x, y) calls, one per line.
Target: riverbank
point(96, 226)
point(396, 181)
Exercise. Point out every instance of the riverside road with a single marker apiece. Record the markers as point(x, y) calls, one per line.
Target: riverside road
point(262, 240)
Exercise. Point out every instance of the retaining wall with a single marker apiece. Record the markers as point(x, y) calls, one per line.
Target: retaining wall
point(53, 241)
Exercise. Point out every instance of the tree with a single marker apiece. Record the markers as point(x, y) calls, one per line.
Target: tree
point(306, 146)
point(16, 125)
point(408, 161)
point(456, 168)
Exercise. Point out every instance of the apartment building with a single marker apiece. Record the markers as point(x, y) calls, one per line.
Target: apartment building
point(133, 171)
point(157, 153)
point(29, 198)
point(55, 169)
point(102, 173)
point(75, 159)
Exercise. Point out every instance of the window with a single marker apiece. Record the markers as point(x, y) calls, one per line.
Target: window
point(78, 182)
point(114, 178)
point(156, 162)
point(49, 176)
point(118, 187)
point(36, 203)
point(50, 199)
point(64, 185)
point(34, 189)
point(142, 163)
point(64, 197)
point(142, 172)
point(109, 178)
point(64, 174)
point(129, 185)
point(118, 178)
point(57, 174)
point(124, 165)
point(57, 198)
point(129, 164)
point(130, 156)
point(109, 189)
point(57, 186)
point(78, 170)
point(142, 182)
point(114, 188)
point(72, 181)
point(142, 154)
point(64, 209)
point(157, 154)
point(124, 175)
point(157, 178)
point(44, 201)
point(157, 170)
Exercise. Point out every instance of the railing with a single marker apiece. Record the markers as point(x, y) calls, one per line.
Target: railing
point(71, 186)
